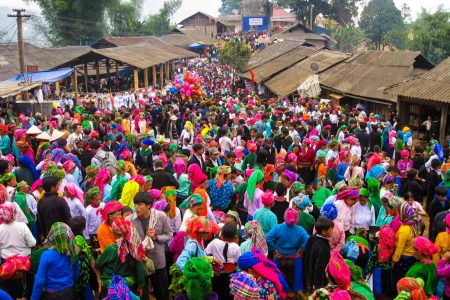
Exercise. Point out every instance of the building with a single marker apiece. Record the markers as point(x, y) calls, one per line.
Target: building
point(299, 32)
point(256, 15)
point(363, 78)
point(205, 23)
point(423, 96)
point(281, 19)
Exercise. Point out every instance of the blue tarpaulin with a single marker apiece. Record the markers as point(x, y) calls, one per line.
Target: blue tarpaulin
point(43, 76)
point(198, 46)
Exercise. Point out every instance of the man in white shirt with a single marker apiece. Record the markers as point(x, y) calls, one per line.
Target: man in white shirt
point(76, 135)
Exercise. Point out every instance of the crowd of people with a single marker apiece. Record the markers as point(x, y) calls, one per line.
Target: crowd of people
point(229, 197)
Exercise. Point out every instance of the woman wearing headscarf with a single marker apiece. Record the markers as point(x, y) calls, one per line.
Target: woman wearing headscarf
point(197, 280)
point(25, 149)
point(424, 268)
point(70, 167)
point(26, 170)
point(380, 263)
point(363, 212)
point(265, 216)
point(345, 201)
point(108, 214)
point(27, 204)
point(244, 287)
point(306, 161)
point(198, 230)
point(89, 179)
point(269, 278)
point(339, 277)
point(304, 206)
point(74, 197)
point(403, 257)
point(119, 180)
point(127, 157)
point(410, 289)
point(181, 176)
point(358, 283)
point(288, 241)
point(58, 269)
point(15, 239)
point(103, 182)
point(220, 189)
point(252, 197)
point(125, 257)
point(255, 238)
point(337, 239)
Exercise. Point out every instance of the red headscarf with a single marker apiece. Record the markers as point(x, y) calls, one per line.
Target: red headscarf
point(128, 241)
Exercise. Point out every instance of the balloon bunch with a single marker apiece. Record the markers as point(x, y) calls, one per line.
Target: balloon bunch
point(188, 85)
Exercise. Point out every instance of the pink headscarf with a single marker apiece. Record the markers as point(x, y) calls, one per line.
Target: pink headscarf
point(386, 245)
point(267, 198)
point(74, 191)
point(139, 179)
point(179, 166)
point(340, 271)
point(291, 216)
point(126, 154)
point(195, 175)
point(425, 246)
point(7, 211)
point(447, 222)
point(68, 166)
point(155, 194)
point(102, 177)
point(404, 153)
point(36, 185)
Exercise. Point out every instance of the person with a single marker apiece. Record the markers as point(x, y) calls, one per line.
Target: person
point(255, 238)
point(199, 229)
point(125, 258)
point(252, 197)
point(443, 272)
point(432, 181)
point(337, 238)
point(410, 288)
point(358, 283)
point(363, 212)
point(303, 205)
point(280, 203)
point(156, 225)
point(268, 277)
point(264, 216)
point(227, 251)
point(108, 213)
point(16, 239)
point(439, 204)
point(244, 287)
point(102, 159)
point(345, 201)
point(443, 241)
point(51, 208)
point(197, 280)
point(162, 178)
point(288, 241)
point(317, 255)
point(58, 269)
point(181, 176)
point(220, 189)
point(403, 256)
point(26, 171)
point(197, 157)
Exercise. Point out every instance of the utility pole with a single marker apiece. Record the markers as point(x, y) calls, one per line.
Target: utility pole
point(19, 16)
point(311, 17)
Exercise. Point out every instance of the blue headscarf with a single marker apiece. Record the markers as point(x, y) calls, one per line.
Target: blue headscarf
point(57, 155)
point(148, 141)
point(400, 134)
point(302, 201)
point(406, 136)
point(26, 161)
point(74, 158)
point(329, 211)
point(437, 148)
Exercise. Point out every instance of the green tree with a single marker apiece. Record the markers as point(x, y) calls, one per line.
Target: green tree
point(228, 6)
point(236, 54)
point(377, 19)
point(347, 37)
point(74, 21)
point(159, 24)
point(124, 17)
point(343, 11)
point(430, 35)
point(397, 38)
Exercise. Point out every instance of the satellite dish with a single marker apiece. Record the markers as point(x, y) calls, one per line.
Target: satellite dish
point(261, 74)
point(235, 12)
point(314, 67)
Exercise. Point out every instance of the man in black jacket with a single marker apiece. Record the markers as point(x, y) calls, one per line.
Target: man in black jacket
point(51, 208)
point(374, 138)
point(363, 138)
point(162, 178)
point(197, 157)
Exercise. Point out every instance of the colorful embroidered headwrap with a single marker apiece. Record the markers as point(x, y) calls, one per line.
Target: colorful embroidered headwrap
point(386, 243)
point(130, 189)
point(291, 176)
point(126, 154)
point(348, 194)
point(268, 171)
point(109, 208)
point(407, 216)
point(196, 176)
point(411, 289)
point(129, 241)
point(339, 270)
point(7, 211)
point(120, 166)
point(57, 155)
point(171, 197)
point(119, 290)
point(221, 172)
point(74, 191)
point(197, 278)
point(191, 201)
point(258, 262)
point(102, 178)
point(297, 186)
point(89, 195)
point(256, 233)
point(60, 238)
point(92, 171)
point(179, 166)
point(357, 274)
point(302, 201)
point(24, 145)
point(201, 224)
point(69, 166)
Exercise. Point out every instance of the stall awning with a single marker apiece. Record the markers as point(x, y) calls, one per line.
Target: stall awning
point(335, 96)
point(43, 76)
point(8, 89)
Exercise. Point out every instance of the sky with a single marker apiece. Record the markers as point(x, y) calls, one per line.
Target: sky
point(211, 6)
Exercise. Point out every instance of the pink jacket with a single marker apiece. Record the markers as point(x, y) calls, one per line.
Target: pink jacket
point(337, 240)
point(443, 270)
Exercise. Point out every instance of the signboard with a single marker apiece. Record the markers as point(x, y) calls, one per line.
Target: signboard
point(255, 21)
point(32, 69)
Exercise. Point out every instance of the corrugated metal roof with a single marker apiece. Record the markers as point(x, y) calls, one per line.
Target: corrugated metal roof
point(182, 37)
point(266, 70)
point(44, 58)
point(127, 41)
point(139, 55)
point(271, 52)
point(368, 74)
point(13, 88)
point(287, 81)
point(433, 85)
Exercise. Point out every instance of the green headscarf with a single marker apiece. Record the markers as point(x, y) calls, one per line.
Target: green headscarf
point(447, 178)
point(52, 169)
point(61, 239)
point(90, 194)
point(117, 187)
point(256, 177)
point(357, 277)
point(320, 196)
point(373, 186)
point(197, 278)
point(364, 192)
point(191, 201)
point(6, 177)
point(22, 189)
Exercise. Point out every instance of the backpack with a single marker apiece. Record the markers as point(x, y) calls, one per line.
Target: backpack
point(105, 162)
